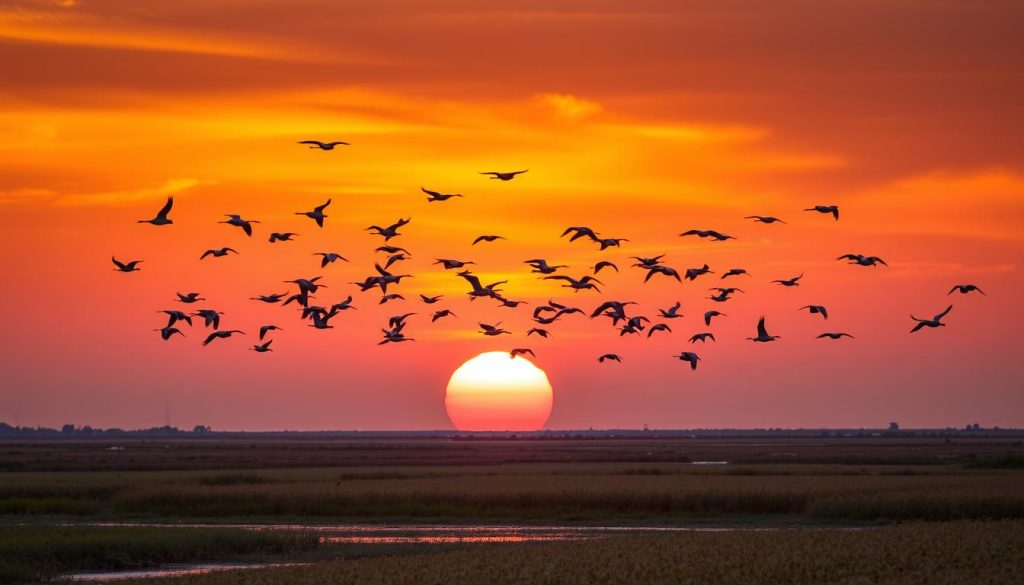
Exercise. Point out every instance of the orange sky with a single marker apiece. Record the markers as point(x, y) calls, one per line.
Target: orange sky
point(640, 119)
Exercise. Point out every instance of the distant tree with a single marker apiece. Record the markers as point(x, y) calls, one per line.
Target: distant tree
point(68, 429)
point(201, 429)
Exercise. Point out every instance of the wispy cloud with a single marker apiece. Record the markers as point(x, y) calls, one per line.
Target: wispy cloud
point(130, 196)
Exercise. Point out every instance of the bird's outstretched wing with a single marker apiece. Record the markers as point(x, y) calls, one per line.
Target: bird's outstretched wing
point(761, 331)
point(943, 314)
point(162, 214)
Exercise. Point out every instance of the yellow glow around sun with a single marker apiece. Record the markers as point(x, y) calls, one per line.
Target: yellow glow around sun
point(495, 392)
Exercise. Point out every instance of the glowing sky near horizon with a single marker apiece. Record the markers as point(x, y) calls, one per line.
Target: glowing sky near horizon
point(640, 119)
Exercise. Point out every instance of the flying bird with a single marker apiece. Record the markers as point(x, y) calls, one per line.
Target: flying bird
point(262, 347)
point(702, 337)
point(862, 260)
point(658, 327)
point(267, 328)
point(964, 289)
point(237, 221)
point(643, 262)
point(430, 300)
point(834, 335)
point(504, 176)
point(161, 216)
point(521, 351)
point(833, 209)
point(450, 264)
point(693, 273)
point(578, 232)
point(762, 333)
point(167, 332)
point(714, 235)
point(433, 196)
point(269, 299)
point(189, 298)
point(541, 266)
point(324, 145)
point(688, 356)
point(220, 335)
point(218, 252)
point(391, 231)
point(317, 214)
point(329, 258)
point(790, 281)
point(605, 264)
point(585, 282)
point(671, 312)
point(174, 316)
point(487, 238)
point(935, 321)
point(662, 269)
point(709, 314)
point(210, 317)
point(610, 356)
point(126, 266)
point(764, 219)
point(816, 309)
point(736, 272)
point(390, 297)
point(391, 249)
point(542, 332)
point(282, 237)
point(492, 330)
point(441, 314)
point(610, 242)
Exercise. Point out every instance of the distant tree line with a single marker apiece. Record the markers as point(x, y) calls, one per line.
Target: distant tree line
point(84, 431)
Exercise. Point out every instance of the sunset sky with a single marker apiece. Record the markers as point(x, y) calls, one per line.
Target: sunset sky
point(641, 119)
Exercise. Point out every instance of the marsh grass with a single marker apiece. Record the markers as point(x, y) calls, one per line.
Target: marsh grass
point(36, 553)
point(947, 553)
point(530, 494)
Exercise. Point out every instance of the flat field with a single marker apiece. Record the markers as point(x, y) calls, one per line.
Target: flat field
point(796, 509)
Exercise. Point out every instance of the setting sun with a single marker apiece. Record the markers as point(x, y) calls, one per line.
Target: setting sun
point(495, 392)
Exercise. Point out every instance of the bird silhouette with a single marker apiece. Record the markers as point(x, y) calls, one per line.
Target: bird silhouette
point(268, 328)
point(218, 252)
point(132, 266)
point(688, 356)
point(605, 264)
point(709, 314)
point(492, 330)
point(542, 332)
point(833, 209)
point(610, 356)
point(450, 264)
point(702, 337)
point(167, 332)
point(161, 216)
point(579, 232)
point(935, 321)
point(671, 312)
point(831, 335)
point(189, 298)
point(504, 176)
point(390, 231)
point(862, 260)
point(220, 335)
point(583, 283)
point(964, 289)
point(282, 237)
point(210, 317)
point(714, 235)
point(521, 351)
point(237, 221)
point(764, 219)
point(329, 258)
point(262, 347)
point(269, 299)
point(611, 242)
point(487, 238)
point(735, 272)
point(816, 309)
point(441, 314)
point(762, 333)
point(658, 327)
point(173, 316)
point(541, 266)
point(433, 196)
point(317, 214)
point(795, 281)
point(430, 300)
point(693, 273)
point(316, 144)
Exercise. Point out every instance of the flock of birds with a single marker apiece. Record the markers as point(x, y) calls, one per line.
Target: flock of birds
point(384, 277)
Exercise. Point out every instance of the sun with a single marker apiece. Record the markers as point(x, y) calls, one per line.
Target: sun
point(493, 392)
